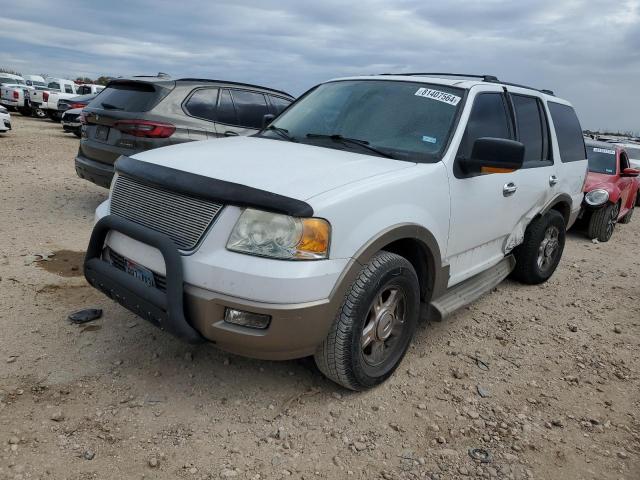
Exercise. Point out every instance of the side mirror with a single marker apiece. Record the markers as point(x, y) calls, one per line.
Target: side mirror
point(267, 119)
point(494, 155)
point(630, 172)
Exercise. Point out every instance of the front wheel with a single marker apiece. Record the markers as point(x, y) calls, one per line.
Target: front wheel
point(374, 326)
point(539, 254)
point(603, 222)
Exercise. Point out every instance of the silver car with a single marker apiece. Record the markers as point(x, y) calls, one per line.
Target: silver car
point(141, 113)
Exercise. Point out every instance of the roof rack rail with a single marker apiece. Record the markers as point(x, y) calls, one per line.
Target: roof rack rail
point(484, 77)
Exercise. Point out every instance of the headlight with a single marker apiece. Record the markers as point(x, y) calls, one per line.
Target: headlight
point(596, 197)
point(280, 236)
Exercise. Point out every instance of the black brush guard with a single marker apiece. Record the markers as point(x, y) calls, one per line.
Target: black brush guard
point(164, 310)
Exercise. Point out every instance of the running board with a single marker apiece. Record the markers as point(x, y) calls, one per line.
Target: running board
point(471, 289)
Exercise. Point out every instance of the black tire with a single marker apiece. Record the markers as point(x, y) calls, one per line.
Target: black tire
point(539, 254)
point(602, 222)
point(627, 217)
point(343, 356)
point(638, 199)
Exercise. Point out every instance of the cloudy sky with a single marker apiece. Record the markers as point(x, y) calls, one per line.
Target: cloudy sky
point(586, 51)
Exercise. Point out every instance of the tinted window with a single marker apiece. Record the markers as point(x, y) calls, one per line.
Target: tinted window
point(488, 119)
point(568, 131)
point(279, 104)
point(202, 103)
point(530, 127)
point(54, 86)
point(131, 96)
point(68, 89)
point(226, 110)
point(251, 108)
point(83, 90)
point(602, 160)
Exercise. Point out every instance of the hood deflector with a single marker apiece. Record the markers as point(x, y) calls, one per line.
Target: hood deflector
point(229, 193)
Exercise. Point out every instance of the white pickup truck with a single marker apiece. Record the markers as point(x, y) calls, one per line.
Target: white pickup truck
point(13, 95)
point(325, 233)
point(47, 100)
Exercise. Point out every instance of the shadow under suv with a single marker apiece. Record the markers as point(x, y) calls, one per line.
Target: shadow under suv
point(141, 113)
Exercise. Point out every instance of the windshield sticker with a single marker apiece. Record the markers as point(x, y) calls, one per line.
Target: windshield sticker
point(426, 138)
point(438, 95)
point(604, 150)
point(609, 170)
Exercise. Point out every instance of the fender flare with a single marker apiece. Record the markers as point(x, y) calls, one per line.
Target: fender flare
point(437, 274)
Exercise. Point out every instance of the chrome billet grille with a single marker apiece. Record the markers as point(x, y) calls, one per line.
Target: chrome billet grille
point(182, 218)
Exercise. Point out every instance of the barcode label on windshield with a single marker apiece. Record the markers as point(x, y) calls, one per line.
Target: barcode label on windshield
point(438, 95)
point(604, 150)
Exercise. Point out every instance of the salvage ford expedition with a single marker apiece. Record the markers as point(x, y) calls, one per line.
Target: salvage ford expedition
point(325, 233)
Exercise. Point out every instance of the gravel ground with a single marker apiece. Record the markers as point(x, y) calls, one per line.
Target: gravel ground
point(545, 379)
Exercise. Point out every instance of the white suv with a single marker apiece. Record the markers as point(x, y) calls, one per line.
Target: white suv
point(325, 233)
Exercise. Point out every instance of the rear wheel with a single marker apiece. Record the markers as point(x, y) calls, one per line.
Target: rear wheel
point(374, 326)
point(603, 222)
point(539, 254)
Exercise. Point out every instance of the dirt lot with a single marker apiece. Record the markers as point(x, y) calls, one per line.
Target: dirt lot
point(545, 379)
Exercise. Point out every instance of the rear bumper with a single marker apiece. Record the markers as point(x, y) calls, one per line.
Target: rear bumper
point(196, 314)
point(99, 173)
point(10, 103)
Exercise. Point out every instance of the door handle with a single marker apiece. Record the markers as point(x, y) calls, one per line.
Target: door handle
point(553, 180)
point(509, 189)
point(229, 133)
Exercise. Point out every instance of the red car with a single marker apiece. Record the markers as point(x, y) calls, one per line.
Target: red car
point(611, 189)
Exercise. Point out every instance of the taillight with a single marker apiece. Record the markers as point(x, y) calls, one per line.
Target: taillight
point(77, 105)
point(45, 96)
point(16, 95)
point(145, 128)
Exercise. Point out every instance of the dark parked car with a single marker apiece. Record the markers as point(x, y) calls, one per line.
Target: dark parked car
point(141, 113)
point(80, 101)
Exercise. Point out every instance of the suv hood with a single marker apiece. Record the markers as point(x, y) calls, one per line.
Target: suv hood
point(294, 170)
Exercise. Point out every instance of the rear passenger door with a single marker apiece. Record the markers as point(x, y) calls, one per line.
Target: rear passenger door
point(537, 180)
point(240, 112)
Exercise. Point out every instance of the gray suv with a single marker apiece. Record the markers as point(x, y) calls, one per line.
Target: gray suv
point(141, 113)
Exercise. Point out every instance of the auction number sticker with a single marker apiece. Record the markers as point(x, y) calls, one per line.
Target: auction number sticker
point(604, 150)
point(438, 95)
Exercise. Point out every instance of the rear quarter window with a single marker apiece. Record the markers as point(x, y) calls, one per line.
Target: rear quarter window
point(132, 96)
point(568, 132)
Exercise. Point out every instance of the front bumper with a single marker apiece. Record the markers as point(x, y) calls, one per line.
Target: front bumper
point(99, 173)
point(196, 314)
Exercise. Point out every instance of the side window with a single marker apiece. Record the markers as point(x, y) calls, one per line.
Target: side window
point(251, 108)
point(568, 131)
point(532, 128)
point(624, 161)
point(68, 89)
point(488, 119)
point(279, 104)
point(54, 86)
point(202, 103)
point(226, 110)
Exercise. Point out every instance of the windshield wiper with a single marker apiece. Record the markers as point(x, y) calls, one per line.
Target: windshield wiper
point(353, 141)
point(283, 132)
point(108, 106)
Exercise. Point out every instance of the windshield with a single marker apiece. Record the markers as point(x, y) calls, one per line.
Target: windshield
point(404, 120)
point(602, 160)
